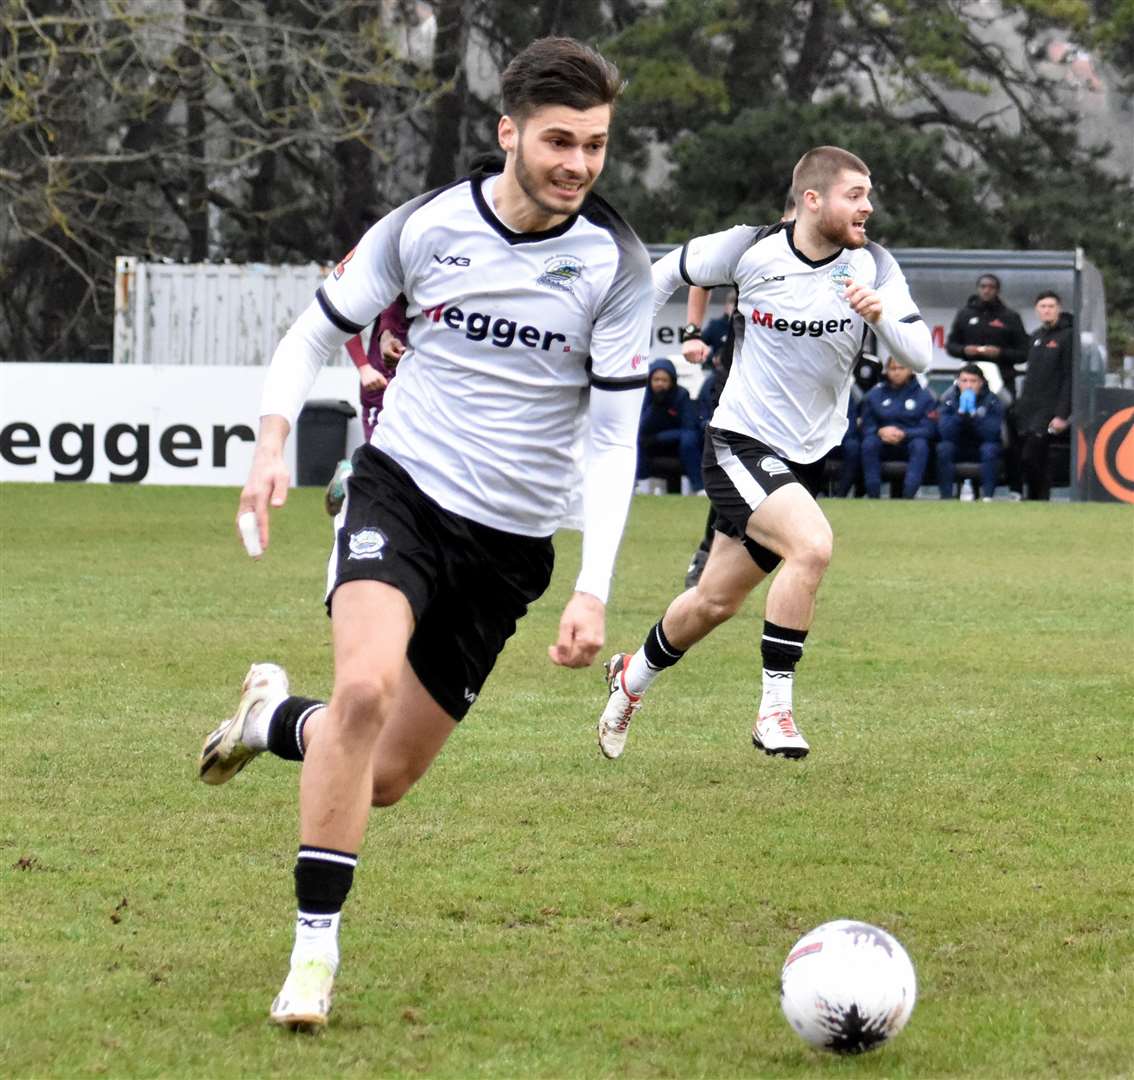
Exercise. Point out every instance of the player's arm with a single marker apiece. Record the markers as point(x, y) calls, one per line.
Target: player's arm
point(619, 345)
point(347, 301)
point(704, 261)
point(608, 483)
point(893, 316)
point(696, 305)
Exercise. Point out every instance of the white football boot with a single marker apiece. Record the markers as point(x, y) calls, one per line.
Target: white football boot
point(225, 753)
point(614, 724)
point(305, 998)
point(775, 733)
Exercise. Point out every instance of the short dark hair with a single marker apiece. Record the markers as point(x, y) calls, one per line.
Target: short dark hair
point(558, 71)
point(820, 167)
point(972, 369)
point(989, 277)
point(1047, 294)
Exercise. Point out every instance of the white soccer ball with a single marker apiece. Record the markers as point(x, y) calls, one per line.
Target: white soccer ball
point(847, 987)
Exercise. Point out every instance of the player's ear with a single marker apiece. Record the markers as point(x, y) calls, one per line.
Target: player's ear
point(507, 133)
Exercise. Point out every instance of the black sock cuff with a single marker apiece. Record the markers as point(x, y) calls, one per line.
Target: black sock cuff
point(781, 647)
point(659, 652)
point(323, 878)
point(285, 727)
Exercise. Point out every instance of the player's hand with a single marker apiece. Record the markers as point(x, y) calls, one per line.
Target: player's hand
point(1058, 425)
point(391, 347)
point(891, 434)
point(371, 378)
point(694, 351)
point(267, 485)
point(582, 631)
point(863, 301)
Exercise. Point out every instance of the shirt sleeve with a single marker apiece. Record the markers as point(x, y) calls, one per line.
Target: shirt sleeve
point(608, 483)
point(620, 336)
point(901, 327)
point(351, 297)
point(707, 261)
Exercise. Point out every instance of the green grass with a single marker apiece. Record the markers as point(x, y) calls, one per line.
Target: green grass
point(530, 909)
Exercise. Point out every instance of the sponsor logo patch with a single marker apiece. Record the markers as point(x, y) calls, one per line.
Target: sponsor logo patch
point(773, 466)
point(367, 544)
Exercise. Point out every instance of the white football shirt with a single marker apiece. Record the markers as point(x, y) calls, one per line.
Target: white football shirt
point(508, 331)
point(793, 361)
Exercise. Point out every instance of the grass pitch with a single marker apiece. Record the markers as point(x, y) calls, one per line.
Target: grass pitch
point(530, 909)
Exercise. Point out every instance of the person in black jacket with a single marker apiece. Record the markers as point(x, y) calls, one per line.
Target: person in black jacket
point(1044, 406)
point(668, 426)
point(987, 329)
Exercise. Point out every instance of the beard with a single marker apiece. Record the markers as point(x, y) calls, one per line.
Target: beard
point(530, 186)
point(839, 232)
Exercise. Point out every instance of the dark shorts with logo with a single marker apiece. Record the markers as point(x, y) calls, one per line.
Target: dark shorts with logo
point(740, 473)
point(467, 584)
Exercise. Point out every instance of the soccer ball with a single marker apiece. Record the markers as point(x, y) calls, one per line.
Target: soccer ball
point(847, 987)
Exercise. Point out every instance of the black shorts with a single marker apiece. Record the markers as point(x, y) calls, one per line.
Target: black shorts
point(467, 584)
point(740, 473)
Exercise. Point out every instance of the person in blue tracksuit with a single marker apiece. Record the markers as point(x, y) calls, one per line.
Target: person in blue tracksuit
point(969, 422)
point(669, 426)
point(897, 424)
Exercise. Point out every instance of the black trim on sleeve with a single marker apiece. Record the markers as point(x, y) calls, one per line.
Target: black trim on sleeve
point(630, 382)
point(336, 317)
point(681, 267)
point(915, 317)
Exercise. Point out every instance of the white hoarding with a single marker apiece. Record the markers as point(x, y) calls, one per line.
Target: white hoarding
point(151, 424)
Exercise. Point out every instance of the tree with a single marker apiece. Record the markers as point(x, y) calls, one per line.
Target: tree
point(966, 136)
point(203, 129)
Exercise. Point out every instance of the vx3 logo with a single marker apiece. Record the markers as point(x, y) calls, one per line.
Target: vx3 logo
point(452, 260)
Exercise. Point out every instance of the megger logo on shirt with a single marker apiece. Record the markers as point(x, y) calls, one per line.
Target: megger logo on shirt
point(799, 327)
point(478, 326)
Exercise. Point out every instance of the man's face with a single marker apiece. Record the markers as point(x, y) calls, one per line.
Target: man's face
point(1048, 309)
point(660, 383)
point(559, 154)
point(968, 381)
point(844, 210)
point(898, 374)
point(987, 289)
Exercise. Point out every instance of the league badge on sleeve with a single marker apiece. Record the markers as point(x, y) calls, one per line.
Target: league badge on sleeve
point(338, 271)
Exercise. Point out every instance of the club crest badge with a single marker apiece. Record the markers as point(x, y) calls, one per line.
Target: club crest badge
point(841, 275)
point(561, 272)
point(367, 544)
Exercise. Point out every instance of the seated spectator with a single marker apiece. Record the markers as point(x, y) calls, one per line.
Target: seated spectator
point(669, 426)
point(897, 425)
point(988, 329)
point(969, 419)
point(716, 330)
point(849, 451)
point(1044, 406)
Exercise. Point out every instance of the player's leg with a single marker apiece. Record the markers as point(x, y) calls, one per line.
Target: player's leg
point(336, 784)
point(790, 524)
point(729, 575)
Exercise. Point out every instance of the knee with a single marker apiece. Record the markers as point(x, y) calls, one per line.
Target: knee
point(357, 705)
point(391, 780)
point(871, 444)
point(812, 553)
point(714, 605)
